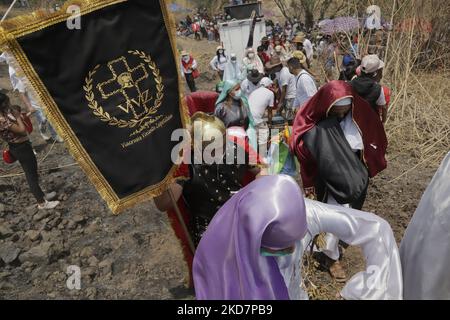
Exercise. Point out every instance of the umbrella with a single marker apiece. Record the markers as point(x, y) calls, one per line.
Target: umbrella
point(341, 24)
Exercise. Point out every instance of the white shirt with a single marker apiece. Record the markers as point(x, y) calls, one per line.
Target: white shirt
point(247, 87)
point(259, 101)
point(285, 78)
point(351, 132)
point(218, 65)
point(305, 88)
point(308, 48)
point(194, 66)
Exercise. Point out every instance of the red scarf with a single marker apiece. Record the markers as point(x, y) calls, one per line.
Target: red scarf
point(187, 65)
point(317, 108)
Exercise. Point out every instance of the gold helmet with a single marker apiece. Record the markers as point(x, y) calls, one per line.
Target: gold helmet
point(207, 126)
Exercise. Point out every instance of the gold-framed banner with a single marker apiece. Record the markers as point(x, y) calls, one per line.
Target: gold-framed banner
point(106, 75)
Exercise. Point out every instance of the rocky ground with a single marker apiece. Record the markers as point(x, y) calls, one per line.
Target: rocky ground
point(134, 255)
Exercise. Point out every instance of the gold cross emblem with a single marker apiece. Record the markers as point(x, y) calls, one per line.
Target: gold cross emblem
point(125, 81)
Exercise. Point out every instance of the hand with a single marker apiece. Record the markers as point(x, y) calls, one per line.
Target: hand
point(310, 193)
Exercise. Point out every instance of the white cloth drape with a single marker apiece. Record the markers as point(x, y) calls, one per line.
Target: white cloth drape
point(382, 278)
point(425, 249)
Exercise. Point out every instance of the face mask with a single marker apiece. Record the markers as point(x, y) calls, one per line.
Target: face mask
point(251, 55)
point(186, 59)
point(266, 253)
point(233, 60)
point(237, 95)
point(220, 51)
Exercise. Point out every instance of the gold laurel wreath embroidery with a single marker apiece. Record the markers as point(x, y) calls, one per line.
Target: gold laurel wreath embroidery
point(113, 121)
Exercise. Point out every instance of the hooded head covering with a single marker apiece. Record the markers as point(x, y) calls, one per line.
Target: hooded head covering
point(228, 85)
point(232, 69)
point(254, 63)
point(367, 120)
point(269, 212)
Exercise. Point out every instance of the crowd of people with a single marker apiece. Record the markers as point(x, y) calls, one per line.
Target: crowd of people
point(249, 227)
point(257, 230)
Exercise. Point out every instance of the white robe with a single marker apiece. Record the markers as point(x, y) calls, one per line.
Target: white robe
point(382, 278)
point(425, 249)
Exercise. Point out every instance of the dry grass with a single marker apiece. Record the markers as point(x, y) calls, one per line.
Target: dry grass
point(417, 72)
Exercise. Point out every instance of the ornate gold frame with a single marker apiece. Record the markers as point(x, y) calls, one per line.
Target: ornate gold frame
point(17, 27)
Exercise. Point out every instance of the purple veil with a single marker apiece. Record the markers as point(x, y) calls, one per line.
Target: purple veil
point(269, 212)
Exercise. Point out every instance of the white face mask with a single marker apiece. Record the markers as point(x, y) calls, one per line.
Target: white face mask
point(251, 55)
point(186, 58)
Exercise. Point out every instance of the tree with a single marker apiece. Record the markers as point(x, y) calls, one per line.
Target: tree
point(309, 10)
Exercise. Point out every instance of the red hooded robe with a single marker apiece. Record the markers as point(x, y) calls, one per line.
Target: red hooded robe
point(365, 118)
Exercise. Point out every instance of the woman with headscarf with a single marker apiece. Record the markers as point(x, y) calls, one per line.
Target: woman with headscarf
point(233, 70)
point(251, 61)
point(340, 142)
point(219, 62)
point(253, 247)
point(232, 107)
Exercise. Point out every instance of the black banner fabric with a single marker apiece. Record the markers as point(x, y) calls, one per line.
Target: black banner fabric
point(111, 88)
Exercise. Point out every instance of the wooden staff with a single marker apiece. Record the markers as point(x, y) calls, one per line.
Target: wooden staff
point(7, 11)
point(181, 220)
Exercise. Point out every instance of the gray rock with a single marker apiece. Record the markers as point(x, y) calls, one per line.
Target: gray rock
point(92, 228)
point(91, 293)
point(87, 252)
point(4, 275)
point(79, 218)
point(2, 208)
point(41, 215)
point(92, 261)
point(71, 225)
point(51, 236)
point(15, 237)
point(33, 235)
point(38, 254)
point(31, 210)
point(106, 266)
point(5, 231)
point(9, 253)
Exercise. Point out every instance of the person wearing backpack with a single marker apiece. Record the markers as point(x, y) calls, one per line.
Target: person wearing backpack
point(13, 130)
point(304, 81)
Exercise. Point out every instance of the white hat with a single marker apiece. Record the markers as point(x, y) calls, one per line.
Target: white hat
point(343, 102)
point(371, 64)
point(266, 82)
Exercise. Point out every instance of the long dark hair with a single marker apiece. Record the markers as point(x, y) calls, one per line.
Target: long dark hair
point(223, 54)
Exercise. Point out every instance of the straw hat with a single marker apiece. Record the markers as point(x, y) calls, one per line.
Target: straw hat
point(300, 56)
point(274, 61)
point(184, 53)
point(299, 38)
